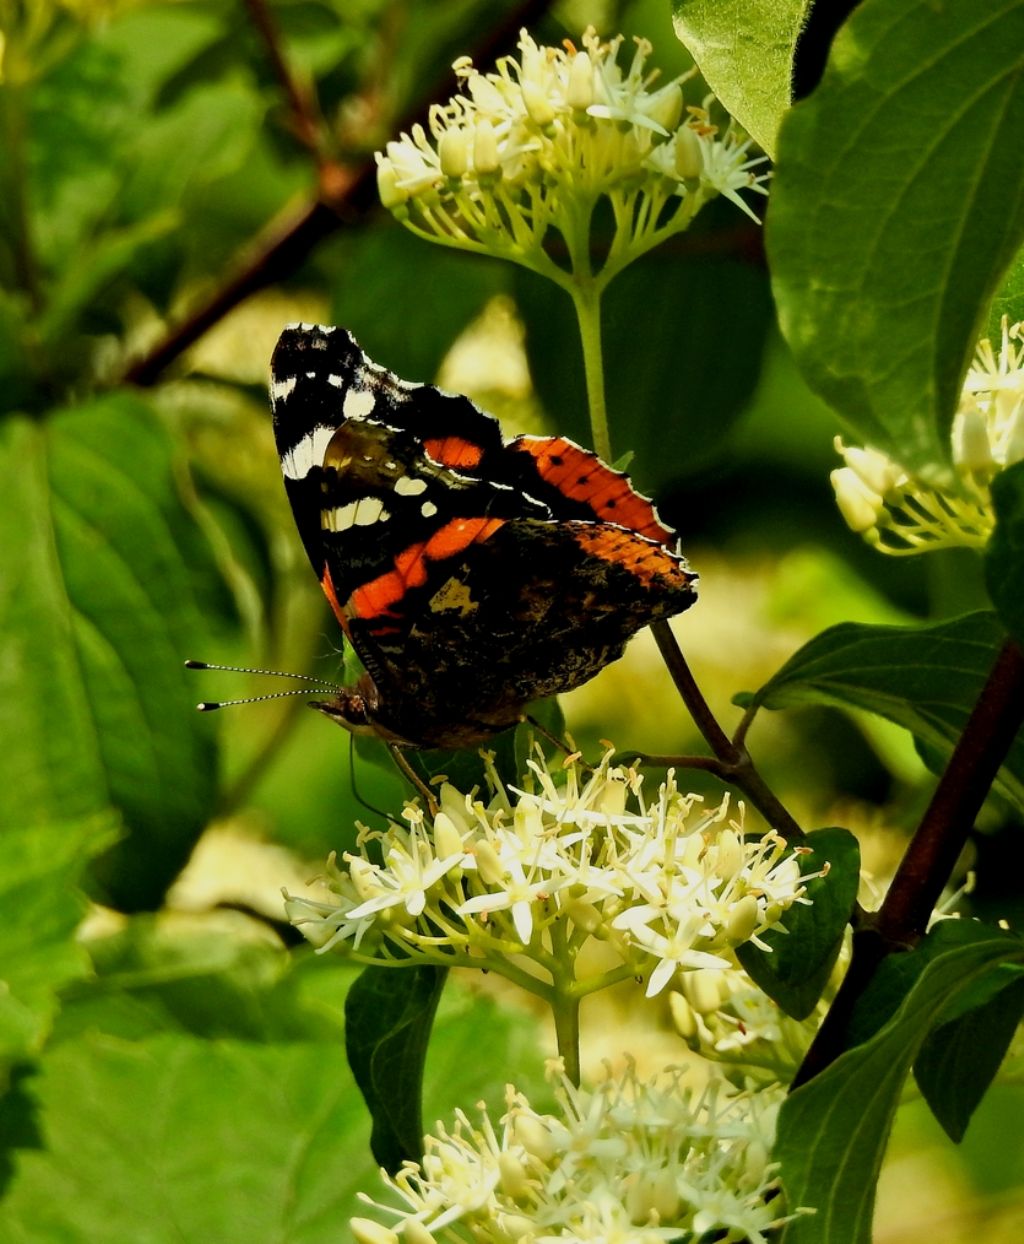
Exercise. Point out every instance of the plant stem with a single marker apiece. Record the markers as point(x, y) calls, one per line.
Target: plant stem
point(566, 1009)
point(306, 121)
point(736, 766)
point(586, 298)
point(949, 818)
point(932, 854)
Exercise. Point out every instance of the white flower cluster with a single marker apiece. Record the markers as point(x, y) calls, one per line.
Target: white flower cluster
point(519, 884)
point(533, 145)
point(901, 514)
point(625, 1161)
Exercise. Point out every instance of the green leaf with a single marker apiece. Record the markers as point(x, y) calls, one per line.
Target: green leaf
point(897, 207)
point(175, 1140)
point(1004, 557)
point(794, 972)
point(925, 678)
point(745, 52)
point(960, 1058)
point(663, 359)
point(97, 612)
point(212, 976)
point(898, 973)
point(833, 1130)
point(39, 954)
point(389, 1013)
point(1009, 301)
point(381, 269)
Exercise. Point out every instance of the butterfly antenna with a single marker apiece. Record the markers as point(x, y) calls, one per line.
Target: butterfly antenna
point(208, 706)
point(323, 683)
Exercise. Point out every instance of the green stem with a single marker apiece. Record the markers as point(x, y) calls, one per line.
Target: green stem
point(586, 298)
point(566, 1008)
point(565, 1001)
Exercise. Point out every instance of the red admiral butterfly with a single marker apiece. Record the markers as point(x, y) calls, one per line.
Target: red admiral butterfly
point(470, 574)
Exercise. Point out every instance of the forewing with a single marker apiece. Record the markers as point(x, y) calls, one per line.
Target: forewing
point(575, 483)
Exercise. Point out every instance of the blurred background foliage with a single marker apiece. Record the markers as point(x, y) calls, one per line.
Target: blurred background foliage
point(177, 181)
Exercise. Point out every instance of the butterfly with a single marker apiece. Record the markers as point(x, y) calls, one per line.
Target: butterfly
point(471, 574)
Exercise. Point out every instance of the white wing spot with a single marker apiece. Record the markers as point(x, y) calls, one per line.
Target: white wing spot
point(362, 513)
point(358, 404)
point(408, 486)
point(308, 453)
point(428, 509)
point(280, 389)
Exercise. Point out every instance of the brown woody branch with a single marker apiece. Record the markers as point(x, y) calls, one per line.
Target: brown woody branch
point(345, 193)
point(734, 764)
point(934, 849)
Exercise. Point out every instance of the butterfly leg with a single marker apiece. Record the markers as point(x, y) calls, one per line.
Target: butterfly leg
point(433, 807)
point(560, 745)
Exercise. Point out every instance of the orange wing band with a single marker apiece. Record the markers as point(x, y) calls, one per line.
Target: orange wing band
point(639, 556)
point(583, 476)
point(376, 597)
point(453, 451)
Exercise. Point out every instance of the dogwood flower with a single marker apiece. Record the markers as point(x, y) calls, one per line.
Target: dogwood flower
point(626, 1160)
point(520, 883)
point(899, 513)
point(516, 163)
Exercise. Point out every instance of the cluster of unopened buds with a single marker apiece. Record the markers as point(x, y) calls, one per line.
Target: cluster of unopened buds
point(723, 1016)
point(627, 1160)
point(899, 513)
point(518, 884)
point(533, 145)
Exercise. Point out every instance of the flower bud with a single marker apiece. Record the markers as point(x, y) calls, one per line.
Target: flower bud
point(488, 863)
point(447, 840)
point(514, 1180)
point(612, 797)
point(485, 94)
point(414, 1232)
point(538, 106)
point(859, 506)
point(683, 1017)
point(366, 1231)
point(1013, 442)
point(703, 989)
point(665, 107)
point(585, 916)
point(729, 859)
point(391, 193)
point(755, 1161)
point(579, 92)
point(518, 1227)
point(363, 876)
point(485, 149)
point(453, 152)
point(876, 470)
point(534, 1137)
point(972, 450)
point(743, 919)
point(689, 157)
point(664, 1194)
